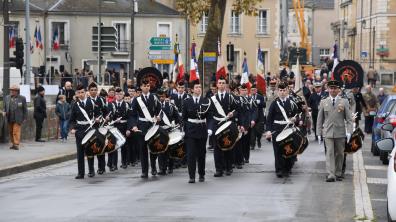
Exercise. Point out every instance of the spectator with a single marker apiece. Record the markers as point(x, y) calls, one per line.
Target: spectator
point(103, 93)
point(63, 111)
point(381, 95)
point(268, 78)
point(283, 74)
point(128, 84)
point(15, 110)
point(306, 91)
point(68, 91)
point(370, 112)
point(40, 112)
point(66, 77)
point(83, 80)
point(360, 104)
point(372, 76)
point(111, 95)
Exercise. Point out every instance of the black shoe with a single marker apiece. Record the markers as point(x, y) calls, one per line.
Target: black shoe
point(91, 174)
point(100, 172)
point(79, 176)
point(170, 171)
point(124, 166)
point(252, 148)
point(144, 175)
point(339, 178)
point(285, 174)
point(218, 174)
point(330, 179)
point(154, 172)
point(239, 166)
point(228, 173)
point(162, 172)
point(246, 161)
point(115, 168)
point(258, 144)
point(279, 175)
point(201, 178)
point(184, 166)
point(191, 180)
point(13, 147)
point(40, 140)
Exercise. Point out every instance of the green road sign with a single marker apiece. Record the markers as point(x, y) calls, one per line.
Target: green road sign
point(160, 47)
point(160, 41)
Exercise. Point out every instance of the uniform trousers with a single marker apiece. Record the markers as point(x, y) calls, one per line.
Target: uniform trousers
point(256, 134)
point(223, 159)
point(314, 120)
point(238, 152)
point(196, 153)
point(144, 156)
point(80, 156)
point(245, 144)
point(282, 165)
point(334, 156)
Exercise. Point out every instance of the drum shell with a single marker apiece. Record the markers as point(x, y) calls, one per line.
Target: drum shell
point(95, 145)
point(177, 151)
point(355, 143)
point(159, 142)
point(293, 144)
point(227, 138)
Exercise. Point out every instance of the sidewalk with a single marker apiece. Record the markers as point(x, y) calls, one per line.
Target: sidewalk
point(33, 155)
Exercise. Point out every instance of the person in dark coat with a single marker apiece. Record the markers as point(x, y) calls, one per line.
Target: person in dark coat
point(40, 112)
point(68, 91)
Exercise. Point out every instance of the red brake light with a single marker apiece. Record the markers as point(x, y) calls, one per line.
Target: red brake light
point(380, 119)
point(392, 120)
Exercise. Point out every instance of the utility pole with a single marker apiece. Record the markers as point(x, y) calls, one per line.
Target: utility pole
point(132, 41)
point(27, 39)
point(6, 53)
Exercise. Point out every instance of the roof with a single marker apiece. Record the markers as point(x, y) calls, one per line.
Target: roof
point(317, 4)
point(122, 7)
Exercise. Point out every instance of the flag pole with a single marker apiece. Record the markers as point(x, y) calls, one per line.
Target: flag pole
point(203, 71)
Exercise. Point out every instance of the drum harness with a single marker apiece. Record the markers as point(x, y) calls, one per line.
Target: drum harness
point(88, 121)
point(286, 121)
point(220, 110)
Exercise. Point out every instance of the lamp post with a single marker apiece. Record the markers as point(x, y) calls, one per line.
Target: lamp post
point(99, 46)
point(371, 42)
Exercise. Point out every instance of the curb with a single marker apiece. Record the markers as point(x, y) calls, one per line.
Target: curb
point(34, 164)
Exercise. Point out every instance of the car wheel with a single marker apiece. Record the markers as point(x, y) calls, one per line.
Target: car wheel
point(384, 158)
point(374, 149)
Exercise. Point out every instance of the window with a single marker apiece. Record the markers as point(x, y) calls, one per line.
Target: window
point(324, 52)
point(262, 22)
point(62, 28)
point(164, 30)
point(235, 23)
point(204, 23)
point(122, 40)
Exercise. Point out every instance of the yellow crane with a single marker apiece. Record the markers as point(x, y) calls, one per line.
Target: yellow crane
point(298, 6)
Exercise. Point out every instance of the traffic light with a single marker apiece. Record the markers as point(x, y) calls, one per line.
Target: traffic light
point(230, 52)
point(19, 53)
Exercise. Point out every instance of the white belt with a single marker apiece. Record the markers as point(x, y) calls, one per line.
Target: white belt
point(144, 119)
point(83, 122)
point(281, 122)
point(219, 119)
point(196, 120)
point(122, 121)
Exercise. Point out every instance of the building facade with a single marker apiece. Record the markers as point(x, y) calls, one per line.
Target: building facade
point(366, 30)
point(73, 22)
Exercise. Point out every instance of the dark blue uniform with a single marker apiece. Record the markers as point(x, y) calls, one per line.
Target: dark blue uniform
point(259, 102)
point(195, 116)
point(100, 103)
point(81, 125)
point(313, 103)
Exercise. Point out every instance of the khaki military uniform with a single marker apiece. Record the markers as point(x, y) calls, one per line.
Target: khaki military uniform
point(333, 123)
point(270, 96)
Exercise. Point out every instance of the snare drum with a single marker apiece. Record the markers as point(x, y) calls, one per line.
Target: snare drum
point(157, 140)
point(176, 146)
point(227, 135)
point(291, 141)
point(93, 143)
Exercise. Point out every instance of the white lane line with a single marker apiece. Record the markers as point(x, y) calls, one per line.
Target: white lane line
point(379, 200)
point(364, 210)
point(372, 167)
point(371, 180)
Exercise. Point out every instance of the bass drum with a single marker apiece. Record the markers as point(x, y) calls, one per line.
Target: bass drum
point(356, 141)
point(176, 146)
point(93, 143)
point(157, 140)
point(291, 141)
point(227, 135)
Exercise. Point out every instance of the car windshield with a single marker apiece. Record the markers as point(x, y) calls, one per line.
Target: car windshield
point(387, 105)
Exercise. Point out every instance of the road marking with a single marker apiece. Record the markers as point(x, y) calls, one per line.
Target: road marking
point(372, 167)
point(364, 210)
point(379, 200)
point(371, 180)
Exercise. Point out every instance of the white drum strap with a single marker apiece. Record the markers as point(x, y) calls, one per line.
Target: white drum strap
point(165, 119)
point(283, 111)
point(219, 109)
point(85, 114)
point(145, 111)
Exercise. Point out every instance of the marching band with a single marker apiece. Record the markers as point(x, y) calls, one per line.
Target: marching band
point(174, 127)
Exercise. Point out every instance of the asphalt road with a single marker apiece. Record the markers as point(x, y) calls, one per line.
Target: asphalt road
point(251, 194)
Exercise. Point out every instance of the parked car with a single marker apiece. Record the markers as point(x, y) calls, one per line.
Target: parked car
point(379, 119)
point(390, 119)
point(388, 145)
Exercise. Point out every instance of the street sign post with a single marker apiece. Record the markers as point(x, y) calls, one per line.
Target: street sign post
point(160, 41)
point(160, 47)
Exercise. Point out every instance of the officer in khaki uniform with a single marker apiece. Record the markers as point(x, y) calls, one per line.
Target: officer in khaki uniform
point(333, 123)
point(271, 95)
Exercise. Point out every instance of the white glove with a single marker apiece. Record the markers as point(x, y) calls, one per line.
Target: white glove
point(348, 136)
point(210, 132)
